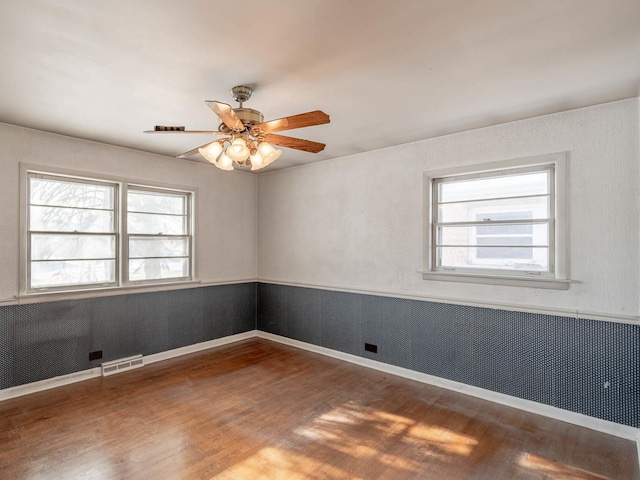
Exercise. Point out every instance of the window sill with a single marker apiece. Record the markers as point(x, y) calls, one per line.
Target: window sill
point(548, 283)
point(38, 297)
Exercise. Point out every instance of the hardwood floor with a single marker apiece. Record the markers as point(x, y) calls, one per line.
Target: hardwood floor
point(257, 409)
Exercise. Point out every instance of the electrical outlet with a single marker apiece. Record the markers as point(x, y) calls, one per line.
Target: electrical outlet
point(370, 347)
point(97, 355)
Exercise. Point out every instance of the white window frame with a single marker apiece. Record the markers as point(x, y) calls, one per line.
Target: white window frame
point(557, 277)
point(546, 220)
point(122, 248)
point(126, 236)
point(80, 181)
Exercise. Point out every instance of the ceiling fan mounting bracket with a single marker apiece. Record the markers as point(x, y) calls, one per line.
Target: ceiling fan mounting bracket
point(241, 93)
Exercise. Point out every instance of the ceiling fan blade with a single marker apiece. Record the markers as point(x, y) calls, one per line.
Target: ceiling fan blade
point(200, 132)
point(297, 143)
point(226, 114)
point(194, 151)
point(317, 117)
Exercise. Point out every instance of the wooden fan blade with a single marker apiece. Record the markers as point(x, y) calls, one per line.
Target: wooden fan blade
point(297, 143)
point(317, 117)
point(194, 151)
point(199, 132)
point(226, 114)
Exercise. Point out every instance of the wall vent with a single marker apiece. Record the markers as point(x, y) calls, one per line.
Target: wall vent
point(122, 364)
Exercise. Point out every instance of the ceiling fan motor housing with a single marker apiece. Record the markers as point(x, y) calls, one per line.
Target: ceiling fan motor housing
point(248, 116)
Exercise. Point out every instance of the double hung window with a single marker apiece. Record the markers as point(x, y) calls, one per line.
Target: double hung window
point(495, 223)
point(84, 233)
point(158, 234)
point(72, 232)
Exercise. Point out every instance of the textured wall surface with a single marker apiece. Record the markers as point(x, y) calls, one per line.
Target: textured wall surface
point(585, 366)
point(44, 340)
point(225, 201)
point(355, 223)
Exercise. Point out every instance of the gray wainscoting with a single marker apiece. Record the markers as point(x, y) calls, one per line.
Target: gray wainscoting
point(582, 365)
point(45, 340)
point(577, 364)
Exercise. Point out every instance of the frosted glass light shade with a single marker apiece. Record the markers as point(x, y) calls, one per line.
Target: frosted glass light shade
point(211, 151)
point(238, 150)
point(265, 149)
point(269, 154)
point(225, 163)
point(257, 162)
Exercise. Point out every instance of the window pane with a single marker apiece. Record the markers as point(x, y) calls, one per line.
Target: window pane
point(505, 252)
point(154, 224)
point(69, 273)
point(518, 229)
point(70, 194)
point(154, 202)
point(158, 247)
point(54, 219)
point(506, 209)
point(158, 268)
point(69, 247)
point(510, 258)
point(504, 240)
point(501, 234)
point(536, 183)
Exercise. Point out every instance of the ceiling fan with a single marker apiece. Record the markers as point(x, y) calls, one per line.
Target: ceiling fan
point(250, 138)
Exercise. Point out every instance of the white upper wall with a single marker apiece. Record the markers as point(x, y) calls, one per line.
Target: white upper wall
point(356, 222)
point(226, 202)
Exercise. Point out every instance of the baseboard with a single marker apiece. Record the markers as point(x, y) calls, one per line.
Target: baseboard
point(579, 419)
point(197, 347)
point(39, 386)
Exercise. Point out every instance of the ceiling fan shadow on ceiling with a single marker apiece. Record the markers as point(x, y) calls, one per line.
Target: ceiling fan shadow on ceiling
point(250, 139)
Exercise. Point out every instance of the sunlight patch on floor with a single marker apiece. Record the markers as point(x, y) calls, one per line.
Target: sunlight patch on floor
point(272, 462)
point(345, 429)
point(556, 470)
point(443, 438)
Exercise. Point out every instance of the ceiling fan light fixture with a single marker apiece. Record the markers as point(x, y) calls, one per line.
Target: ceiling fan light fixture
point(245, 131)
point(238, 150)
point(211, 152)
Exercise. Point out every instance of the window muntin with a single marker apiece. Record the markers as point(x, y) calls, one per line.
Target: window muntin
point(495, 223)
point(83, 233)
point(71, 233)
point(158, 234)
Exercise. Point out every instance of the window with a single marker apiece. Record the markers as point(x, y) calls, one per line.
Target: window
point(71, 236)
point(498, 223)
point(93, 233)
point(158, 234)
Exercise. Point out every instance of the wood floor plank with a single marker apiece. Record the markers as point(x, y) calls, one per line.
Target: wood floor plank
point(257, 409)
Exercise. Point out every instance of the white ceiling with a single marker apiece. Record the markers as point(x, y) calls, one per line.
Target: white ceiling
point(388, 72)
